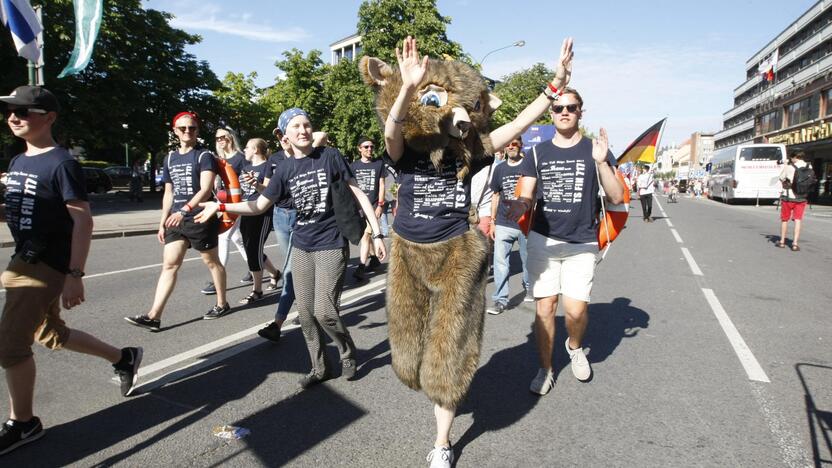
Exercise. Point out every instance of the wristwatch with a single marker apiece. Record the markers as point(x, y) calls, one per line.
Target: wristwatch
point(183, 213)
point(76, 273)
point(378, 236)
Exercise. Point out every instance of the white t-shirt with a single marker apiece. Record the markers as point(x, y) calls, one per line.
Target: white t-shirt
point(645, 184)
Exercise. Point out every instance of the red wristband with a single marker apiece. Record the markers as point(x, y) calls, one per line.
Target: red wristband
point(381, 203)
point(554, 90)
point(221, 208)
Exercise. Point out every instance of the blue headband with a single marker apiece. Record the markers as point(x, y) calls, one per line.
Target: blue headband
point(287, 115)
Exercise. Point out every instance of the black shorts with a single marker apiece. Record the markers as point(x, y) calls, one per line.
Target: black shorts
point(201, 237)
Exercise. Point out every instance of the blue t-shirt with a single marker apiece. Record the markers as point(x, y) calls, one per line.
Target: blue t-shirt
point(367, 176)
point(504, 182)
point(306, 181)
point(272, 166)
point(183, 171)
point(237, 161)
point(259, 170)
point(567, 191)
point(37, 190)
point(433, 205)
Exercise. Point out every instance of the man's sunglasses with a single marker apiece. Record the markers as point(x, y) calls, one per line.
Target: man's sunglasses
point(189, 128)
point(572, 108)
point(23, 112)
point(514, 144)
point(367, 146)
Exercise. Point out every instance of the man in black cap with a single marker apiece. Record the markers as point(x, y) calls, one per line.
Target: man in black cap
point(49, 217)
point(369, 174)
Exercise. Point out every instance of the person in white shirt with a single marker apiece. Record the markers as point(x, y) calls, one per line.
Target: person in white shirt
point(645, 184)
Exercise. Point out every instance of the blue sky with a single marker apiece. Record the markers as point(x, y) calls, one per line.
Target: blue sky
point(635, 61)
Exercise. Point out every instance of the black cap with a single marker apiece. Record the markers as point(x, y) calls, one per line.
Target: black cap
point(32, 96)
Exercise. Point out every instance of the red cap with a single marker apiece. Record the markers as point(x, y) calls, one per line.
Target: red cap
point(181, 114)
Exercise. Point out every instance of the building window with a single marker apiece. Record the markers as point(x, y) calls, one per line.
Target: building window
point(771, 121)
point(828, 95)
point(805, 110)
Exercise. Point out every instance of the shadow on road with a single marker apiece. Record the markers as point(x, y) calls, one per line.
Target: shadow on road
point(818, 414)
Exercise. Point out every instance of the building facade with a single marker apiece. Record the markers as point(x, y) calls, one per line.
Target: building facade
point(346, 48)
point(787, 95)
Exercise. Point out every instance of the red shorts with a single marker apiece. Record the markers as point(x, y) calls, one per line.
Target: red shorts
point(792, 210)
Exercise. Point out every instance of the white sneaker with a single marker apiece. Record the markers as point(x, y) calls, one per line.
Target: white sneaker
point(529, 296)
point(580, 366)
point(543, 382)
point(441, 457)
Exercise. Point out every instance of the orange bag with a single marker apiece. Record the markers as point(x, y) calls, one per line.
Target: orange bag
point(232, 186)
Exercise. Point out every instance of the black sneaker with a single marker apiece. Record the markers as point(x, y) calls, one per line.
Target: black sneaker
point(217, 312)
point(497, 309)
point(374, 263)
point(360, 273)
point(127, 369)
point(348, 368)
point(209, 289)
point(13, 434)
point(145, 322)
point(247, 279)
point(312, 378)
point(271, 332)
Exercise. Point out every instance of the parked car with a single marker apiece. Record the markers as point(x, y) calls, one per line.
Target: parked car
point(97, 180)
point(119, 175)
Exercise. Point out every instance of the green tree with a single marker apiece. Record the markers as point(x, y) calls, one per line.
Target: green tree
point(384, 24)
point(517, 90)
point(352, 112)
point(139, 75)
point(241, 106)
point(301, 86)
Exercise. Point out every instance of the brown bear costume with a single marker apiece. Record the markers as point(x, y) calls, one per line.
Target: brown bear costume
point(436, 291)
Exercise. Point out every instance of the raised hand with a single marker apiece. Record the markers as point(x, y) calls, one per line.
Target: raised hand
point(600, 146)
point(564, 70)
point(412, 69)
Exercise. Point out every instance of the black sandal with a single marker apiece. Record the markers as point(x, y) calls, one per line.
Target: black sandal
point(782, 245)
point(273, 282)
point(252, 297)
point(795, 247)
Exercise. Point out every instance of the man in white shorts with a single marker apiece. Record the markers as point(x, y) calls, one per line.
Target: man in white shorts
point(562, 244)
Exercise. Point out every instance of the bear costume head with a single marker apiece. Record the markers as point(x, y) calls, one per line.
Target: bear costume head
point(449, 114)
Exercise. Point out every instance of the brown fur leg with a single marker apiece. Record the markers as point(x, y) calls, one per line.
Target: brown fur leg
point(407, 312)
point(452, 351)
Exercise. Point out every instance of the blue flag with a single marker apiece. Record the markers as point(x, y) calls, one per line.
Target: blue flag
point(87, 22)
point(20, 18)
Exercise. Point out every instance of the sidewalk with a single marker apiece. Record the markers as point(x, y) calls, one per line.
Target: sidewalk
point(114, 215)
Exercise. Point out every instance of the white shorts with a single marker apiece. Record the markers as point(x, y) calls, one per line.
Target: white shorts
point(557, 267)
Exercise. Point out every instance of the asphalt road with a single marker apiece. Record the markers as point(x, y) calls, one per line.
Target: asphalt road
point(710, 347)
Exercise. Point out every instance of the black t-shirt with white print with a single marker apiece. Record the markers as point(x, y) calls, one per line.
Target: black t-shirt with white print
point(432, 204)
point(504, 182)
point(306, 181)
point(367, 176)
point(249, 190)
point(237, 161)
point(273, 163)
point(567, 191)
point(183, 171)
point(37, 190)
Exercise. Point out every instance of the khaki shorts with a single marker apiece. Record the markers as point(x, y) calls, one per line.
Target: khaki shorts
point(32, 311)
point(557, 267)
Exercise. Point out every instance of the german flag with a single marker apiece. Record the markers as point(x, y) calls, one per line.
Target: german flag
point(644, 147)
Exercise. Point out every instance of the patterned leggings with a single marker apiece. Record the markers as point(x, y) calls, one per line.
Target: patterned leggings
point(318, 279)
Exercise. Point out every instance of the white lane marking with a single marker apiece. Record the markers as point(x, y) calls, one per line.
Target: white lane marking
point(676, 236)
point(691, 262)
point(749, 362)
point(144, 267)
point(219, 343)
point(669, 224)
point(791, 448)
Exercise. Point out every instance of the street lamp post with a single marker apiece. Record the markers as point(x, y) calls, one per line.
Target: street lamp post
point(520, 43)
point(126, 150)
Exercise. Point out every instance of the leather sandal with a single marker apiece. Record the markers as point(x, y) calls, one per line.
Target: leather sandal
point(252, 297)
point(795, 247)
point(782, 245)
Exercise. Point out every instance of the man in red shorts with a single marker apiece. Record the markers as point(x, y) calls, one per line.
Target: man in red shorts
point(792, 202)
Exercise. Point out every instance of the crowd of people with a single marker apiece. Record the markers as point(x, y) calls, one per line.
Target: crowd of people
point(301, 192)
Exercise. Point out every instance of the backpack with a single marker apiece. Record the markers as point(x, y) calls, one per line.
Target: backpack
point(804, 181)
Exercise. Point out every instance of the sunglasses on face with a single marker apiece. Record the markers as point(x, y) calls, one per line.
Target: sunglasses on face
point(572, 108)
point(220, 138)
point(367, 147)
point(23, 112)
point(514, 144)
point(191, 129)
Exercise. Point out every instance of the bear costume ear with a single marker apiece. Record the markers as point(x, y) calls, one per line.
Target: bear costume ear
point(494, 102)
point(374, 71)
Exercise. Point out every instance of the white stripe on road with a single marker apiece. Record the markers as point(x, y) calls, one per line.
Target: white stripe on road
point(144, 267)
point(374, 287)
point(676, 236)
point(749, 362)
point(691, 262)
point(669, 224)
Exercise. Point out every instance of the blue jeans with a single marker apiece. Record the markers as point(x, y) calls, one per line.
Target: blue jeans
point(284, 223)
point(504, 239)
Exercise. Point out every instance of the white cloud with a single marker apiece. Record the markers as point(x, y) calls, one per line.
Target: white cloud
point(203, 16)
point(628, 89)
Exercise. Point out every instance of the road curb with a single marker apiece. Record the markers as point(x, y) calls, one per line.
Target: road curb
point(103, 235)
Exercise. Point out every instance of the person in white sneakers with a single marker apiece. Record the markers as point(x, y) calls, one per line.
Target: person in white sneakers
point(562, 243)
